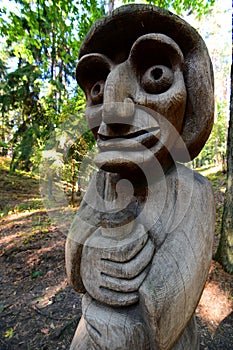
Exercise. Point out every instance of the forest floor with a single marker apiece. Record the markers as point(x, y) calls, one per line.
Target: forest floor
point(38, 309)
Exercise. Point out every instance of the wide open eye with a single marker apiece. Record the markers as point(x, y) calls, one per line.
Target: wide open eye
point(157, 79)
point(97, 92)
point(91, 73)
point(155, 57)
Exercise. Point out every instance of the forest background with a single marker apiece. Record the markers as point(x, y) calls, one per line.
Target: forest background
point(43, 136)
point(42, 108)
point(40, 42)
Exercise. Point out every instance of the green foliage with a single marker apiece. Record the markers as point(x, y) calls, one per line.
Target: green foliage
point(215, 149)
point(43, 38)
point(225, 249)
point(9, 333)
point(65, 150)
point(36, 274)
point(40, 41)
point(199, 7)
point(3, 144)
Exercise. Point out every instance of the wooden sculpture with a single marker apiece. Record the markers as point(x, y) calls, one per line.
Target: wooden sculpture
point(140, 246)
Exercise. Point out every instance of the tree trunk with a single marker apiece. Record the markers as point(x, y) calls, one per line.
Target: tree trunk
point(72, 181)
point(53, 53)
point(110, 6)
point(225, 249)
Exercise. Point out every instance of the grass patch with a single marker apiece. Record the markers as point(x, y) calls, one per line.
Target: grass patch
point(215, 176)
point(19, 191)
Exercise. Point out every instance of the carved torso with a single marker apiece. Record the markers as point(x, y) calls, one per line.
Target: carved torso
point(169, 232)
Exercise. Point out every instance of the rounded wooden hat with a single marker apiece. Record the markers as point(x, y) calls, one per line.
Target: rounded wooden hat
point(114, 36)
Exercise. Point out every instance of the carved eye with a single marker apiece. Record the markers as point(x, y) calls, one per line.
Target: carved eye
point(157, 79)
point(91, 73)
point(97, 92)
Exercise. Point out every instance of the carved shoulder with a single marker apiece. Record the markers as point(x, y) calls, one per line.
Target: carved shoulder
point(180, 265)
point(193, 198)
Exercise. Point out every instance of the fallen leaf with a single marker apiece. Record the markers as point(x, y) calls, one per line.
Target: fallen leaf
point(45, 330)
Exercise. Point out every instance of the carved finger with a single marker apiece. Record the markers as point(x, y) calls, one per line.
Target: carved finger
point(128, 248)
point(94, 336)
point(114, 298)
point(132, 268)
point(93, 321)
point(123, 285)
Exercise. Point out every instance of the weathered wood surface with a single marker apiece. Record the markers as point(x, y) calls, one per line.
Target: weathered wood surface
point(141, 244)
point(114, 36)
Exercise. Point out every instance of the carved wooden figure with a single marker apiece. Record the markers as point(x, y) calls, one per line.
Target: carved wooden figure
point(141, 244)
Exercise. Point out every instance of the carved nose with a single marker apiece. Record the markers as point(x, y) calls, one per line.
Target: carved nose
point(119, 112)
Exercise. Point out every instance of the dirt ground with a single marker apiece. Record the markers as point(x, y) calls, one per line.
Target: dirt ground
point(38, 310)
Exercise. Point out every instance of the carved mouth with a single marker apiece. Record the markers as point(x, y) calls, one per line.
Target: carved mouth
point(133, 141)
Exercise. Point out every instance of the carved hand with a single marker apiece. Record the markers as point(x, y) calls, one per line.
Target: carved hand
point(112, 271)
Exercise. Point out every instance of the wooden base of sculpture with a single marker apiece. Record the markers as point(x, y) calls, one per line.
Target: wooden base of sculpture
point(189, 340)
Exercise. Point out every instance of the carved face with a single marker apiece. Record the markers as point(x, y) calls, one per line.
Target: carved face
point(133, 107)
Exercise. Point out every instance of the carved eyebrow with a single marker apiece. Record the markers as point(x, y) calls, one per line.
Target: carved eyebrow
point(157, 42)
point(91, 68)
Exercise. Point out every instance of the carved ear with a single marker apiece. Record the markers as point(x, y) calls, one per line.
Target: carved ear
point(156, 49)
point(91, 73)
point(199, 115)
